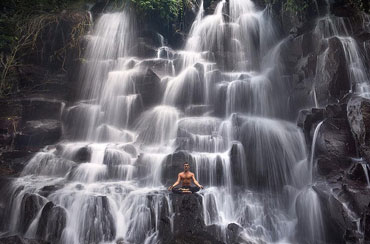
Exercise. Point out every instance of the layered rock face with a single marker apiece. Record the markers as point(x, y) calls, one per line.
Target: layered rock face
point(341, 162)
point(212, 105)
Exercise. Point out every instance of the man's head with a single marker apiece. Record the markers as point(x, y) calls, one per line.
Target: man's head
point(186, 166)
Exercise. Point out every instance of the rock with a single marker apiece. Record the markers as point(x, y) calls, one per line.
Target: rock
point(189, 227)
point(334, 146)
point(30, 206)
point(366, 223)
point(47, 190)
point(20, 240)
point(173, 164)
point(237, 162)
point(12, 162)
point(307, 119)
point(37, 133)
point(99, 7)
point(143, 50)
point(358, 112)
point(198, 110)
point(339, 206)
point(151, 38)
point(130, 149)
point(342, 9)
point(356, 173)
point(83, 155)
point(164, 226)
point(40, 108)
point(52, 222)
point(188, 211)
point(148, 85)
point(335, 83)
point(232, 233)
point(161, 67)
point(98, 224)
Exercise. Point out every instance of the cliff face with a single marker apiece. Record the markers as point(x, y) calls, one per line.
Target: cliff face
point(319, 80)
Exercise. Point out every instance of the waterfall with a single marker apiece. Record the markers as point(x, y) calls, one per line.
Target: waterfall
point(313, 147)
point(330, 26)
point(220, 103)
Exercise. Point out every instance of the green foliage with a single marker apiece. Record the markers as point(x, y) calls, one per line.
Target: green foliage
point(296, 6)
point(360, 5)
point(167, 10)
point(21, 22)
point(293, 6)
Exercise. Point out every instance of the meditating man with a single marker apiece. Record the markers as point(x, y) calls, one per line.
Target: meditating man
point(186, 177)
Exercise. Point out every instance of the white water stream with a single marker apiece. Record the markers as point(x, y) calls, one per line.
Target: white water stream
point(110, 171)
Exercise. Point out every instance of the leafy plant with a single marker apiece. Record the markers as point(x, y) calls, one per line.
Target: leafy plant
point(21, 23)
point(167, 10)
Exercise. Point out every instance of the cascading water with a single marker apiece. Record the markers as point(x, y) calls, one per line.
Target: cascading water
point(221, 101)
point(330, 26)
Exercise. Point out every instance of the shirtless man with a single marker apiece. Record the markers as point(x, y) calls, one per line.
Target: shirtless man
point(186, 177)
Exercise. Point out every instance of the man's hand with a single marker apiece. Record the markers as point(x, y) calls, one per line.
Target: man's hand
point(201, 187)
point(170, 188)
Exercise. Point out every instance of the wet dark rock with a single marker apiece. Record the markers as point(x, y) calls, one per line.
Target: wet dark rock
point(30, 206)
point(198, 110)
point(83, 155)
point(356, 173)
point(342, 8)
point(233, 232)
point(341, 207)
point(99, 7)
point(98, 223)
point(188, 210)
point(40, 108)
point(52, 222)
point(47, 190)
point(37, 133)
point(151, 38)
point(164, 225)
point(358, 111)
point(308, 118)
point(20, 240)
point(173, 165)
point(334, 145)
point(130, 149)
point(189, 227)
point(365, 222)
point(148, 85)
point(12, 162)
point(335, 83)
point(236, 166)
point(143, 50)
point(161, 67)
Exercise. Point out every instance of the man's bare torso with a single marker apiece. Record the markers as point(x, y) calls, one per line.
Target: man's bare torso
point(186, 178)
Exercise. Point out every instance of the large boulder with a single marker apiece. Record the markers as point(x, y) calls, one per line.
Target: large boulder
point(30, 206)
point(333, 81)
point(188, 222)
point(343, 208)
point(51, 223)
point(98, 224)
point(188, 211)
point(82, 155)
point(148, 85)
point(41, 108)
point(173, 164)
point(334, 145)
point(38, 133)
point(358, 112)
point(20, 240)
point(12, 162)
